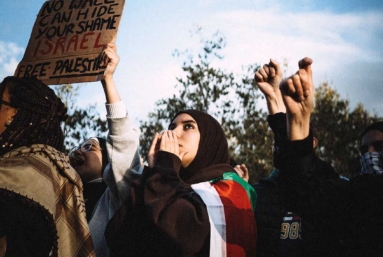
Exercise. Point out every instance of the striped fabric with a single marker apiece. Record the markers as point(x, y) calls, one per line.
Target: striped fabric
point(43, 175)
point(230, 204)
point(370, 163)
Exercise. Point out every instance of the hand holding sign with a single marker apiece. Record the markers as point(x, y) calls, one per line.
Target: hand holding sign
point(67, 39)
point(109, 59)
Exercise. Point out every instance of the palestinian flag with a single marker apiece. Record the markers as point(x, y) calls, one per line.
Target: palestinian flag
point(230, 203)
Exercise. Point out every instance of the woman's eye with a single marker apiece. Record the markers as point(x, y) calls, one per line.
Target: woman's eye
point(188, 126)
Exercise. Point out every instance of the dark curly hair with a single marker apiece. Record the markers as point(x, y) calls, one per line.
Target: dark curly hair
point(38, 117)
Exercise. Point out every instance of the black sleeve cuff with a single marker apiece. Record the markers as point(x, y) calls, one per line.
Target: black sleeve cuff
point(168, 160)
point(286, 147)
point(277, 122)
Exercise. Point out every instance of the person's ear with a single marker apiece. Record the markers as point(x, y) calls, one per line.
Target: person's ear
point(315, 142)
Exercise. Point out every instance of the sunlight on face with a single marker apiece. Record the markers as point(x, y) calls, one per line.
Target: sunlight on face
point(87, 160)
point(6, 112)
point(188, 135)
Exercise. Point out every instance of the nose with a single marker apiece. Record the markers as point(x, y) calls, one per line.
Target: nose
point(177, 131)
point(75, 152)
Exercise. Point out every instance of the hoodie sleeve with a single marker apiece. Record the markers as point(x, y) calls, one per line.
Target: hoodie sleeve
point(164, 208)
point(123, 152)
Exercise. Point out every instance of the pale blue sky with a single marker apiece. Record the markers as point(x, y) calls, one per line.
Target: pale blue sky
point(344, 38)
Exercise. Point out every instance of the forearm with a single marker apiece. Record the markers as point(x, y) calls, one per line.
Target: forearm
point(123, 155)
point(111, 60)
point(298, 126)
point(110, 90)
point(275, 103)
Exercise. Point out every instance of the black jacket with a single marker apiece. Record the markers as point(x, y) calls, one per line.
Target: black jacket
point(307, 191)
point(366, 215)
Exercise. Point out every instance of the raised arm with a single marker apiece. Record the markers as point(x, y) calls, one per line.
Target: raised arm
point(123, 137)
point(112, 59)
point(267, 79)
point(298, 96)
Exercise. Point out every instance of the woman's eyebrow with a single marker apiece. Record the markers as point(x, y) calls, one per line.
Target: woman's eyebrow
point(189, 121)
point(182, 122)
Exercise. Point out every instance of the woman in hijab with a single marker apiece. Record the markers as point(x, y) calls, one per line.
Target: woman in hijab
point(190, 201)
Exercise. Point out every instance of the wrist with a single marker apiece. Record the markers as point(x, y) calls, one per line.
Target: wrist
point(298, 126)
point(108, 78)
point(275, 103)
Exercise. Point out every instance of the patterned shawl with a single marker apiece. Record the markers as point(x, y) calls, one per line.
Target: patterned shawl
point(42, 176)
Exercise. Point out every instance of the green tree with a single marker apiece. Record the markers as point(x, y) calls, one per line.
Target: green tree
point(195, 90)
point(236, 103)
point(230, 98)
point(339, 129)
point(81, 122)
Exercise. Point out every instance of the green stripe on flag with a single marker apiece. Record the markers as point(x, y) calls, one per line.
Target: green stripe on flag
point(248, 188)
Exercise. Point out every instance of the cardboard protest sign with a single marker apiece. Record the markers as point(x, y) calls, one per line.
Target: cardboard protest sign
point(68, 38)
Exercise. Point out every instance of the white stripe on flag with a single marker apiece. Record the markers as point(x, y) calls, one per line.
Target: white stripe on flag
point(216, 212)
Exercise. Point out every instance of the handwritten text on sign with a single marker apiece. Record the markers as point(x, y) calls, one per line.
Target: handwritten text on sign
point(67, 39)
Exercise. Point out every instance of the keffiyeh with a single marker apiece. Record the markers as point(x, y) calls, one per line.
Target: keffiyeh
point(44, 182)
point(370, 163)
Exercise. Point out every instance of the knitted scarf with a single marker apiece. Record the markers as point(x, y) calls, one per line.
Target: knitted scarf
point(40, 179)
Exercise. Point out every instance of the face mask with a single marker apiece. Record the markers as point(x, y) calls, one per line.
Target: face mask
point(370, 163)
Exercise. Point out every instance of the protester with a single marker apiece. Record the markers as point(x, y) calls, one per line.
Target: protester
point(190, 201)
point(121, 149)
point(367, 195)
point(371, 149)
point(300, 205)
point(85, 159)
point(42, 209)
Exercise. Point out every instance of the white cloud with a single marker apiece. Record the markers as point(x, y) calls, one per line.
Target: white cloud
point(340, 44)
point(344, 47)
point(336, 42)
point(10, 55)
point(267, 33)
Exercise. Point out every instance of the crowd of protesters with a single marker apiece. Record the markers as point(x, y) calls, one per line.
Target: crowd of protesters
point(190, 199)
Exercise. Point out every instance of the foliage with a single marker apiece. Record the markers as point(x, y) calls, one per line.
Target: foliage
point(81, 122)
point(213, 90)
point(339, 129)
point(233, 101)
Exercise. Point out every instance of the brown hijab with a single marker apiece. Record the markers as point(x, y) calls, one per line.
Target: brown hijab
point(212, 158)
